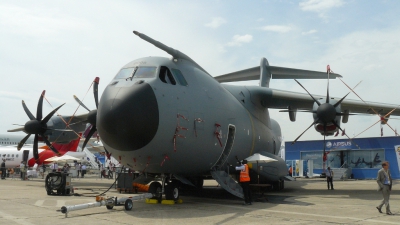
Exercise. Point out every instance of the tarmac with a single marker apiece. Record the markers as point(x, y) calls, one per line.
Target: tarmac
point(305, 201)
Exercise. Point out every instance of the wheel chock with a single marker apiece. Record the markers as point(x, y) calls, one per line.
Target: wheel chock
point(151, 201)
point(179, 201)
point(168, 202)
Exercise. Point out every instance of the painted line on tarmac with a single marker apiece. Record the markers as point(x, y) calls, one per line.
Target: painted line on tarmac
point(306, 214)
point(14, 219)
point(60, 203)
point(39, 202)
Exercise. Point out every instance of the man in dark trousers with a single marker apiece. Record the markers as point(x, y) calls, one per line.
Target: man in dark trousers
point(384, 181)
point(3, 169)
point(245, 181)
point(329, 178)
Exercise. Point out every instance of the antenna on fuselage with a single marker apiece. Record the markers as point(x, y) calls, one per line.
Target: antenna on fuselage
point(176, 54)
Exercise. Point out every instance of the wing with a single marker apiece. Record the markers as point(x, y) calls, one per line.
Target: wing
point(279, 99)
point(276, 73)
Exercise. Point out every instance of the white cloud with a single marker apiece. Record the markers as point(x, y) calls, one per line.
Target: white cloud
point(277, 28)
point(238, 40)
point(309, 32)
point(38, 22)
point(318, 5)
point(216, 22)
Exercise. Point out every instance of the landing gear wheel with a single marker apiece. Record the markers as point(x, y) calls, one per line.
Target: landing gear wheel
point(171, 191)
point(156, 189)
point(109, 206)
point(128, 205)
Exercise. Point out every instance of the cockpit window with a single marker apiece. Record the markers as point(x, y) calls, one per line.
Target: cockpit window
point(166, 76)
point(179, 76)
point(145, 72)
point(125, 73)
point(137, 72)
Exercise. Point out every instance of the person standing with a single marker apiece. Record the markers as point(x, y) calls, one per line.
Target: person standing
point(78, 169)
point(54, 167)
point(245, 181)
point(384, 180)
point(83, 170)
point(329, 178)
point(42, 170)
point(290, 171)
point(22, 170)
point(3, 169)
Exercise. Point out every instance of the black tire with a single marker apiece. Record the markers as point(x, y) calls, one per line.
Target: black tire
point(156, 189)
point(171, 191)
point(128, 205)
point(109, 206)
point(199, 182)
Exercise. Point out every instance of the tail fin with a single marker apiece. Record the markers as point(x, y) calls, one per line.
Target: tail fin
point(71, 146)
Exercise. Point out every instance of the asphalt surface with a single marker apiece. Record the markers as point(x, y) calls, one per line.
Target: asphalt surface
point(305, 201)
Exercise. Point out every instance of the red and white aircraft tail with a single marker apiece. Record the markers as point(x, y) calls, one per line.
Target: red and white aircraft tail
point(14, 157)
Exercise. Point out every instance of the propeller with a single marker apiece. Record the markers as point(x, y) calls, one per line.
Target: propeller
point(92, 115)
point(325, 113)
point(37, 126)
point(383, 119)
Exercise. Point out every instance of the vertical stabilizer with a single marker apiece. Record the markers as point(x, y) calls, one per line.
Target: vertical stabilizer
point(265, 74)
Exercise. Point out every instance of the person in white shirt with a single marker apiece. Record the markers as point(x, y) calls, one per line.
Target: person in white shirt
point(83, 170)
point(329, 178)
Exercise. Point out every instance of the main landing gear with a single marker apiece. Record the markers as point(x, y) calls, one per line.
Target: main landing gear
point(169, 188)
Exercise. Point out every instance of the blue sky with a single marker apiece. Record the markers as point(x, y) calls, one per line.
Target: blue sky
point(61, 46)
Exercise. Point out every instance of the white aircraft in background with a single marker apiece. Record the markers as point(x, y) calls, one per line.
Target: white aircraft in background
point(13, 139)
point(14, 157)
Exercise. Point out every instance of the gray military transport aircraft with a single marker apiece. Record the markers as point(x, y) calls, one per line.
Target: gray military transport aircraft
point(171, 120)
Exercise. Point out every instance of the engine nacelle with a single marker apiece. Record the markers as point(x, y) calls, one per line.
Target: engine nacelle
point(327, 117)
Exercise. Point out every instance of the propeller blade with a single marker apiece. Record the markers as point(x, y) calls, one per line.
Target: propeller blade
point(47, 118)
point(350, 139)
point(50, 145)
point(96, 91)
point(352, 89)
point(315, 100)
point(91, 132)
point(327, 92)
point(303, 133)
point(395, 132)
point(22, 142)
point(39, 114)
point(35, 148)
point(16, 129)
point(30, 115)
point(340, 101)
point(81, 103)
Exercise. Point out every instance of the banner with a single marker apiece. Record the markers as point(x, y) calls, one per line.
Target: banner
point(397, 151)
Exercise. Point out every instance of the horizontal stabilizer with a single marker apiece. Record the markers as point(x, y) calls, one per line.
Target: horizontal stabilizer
point(277, 73)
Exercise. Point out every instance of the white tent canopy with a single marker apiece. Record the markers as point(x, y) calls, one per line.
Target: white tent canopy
point(260, 158)
point(64, 158)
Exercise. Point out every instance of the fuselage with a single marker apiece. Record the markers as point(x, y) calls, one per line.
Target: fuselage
point(172, 117)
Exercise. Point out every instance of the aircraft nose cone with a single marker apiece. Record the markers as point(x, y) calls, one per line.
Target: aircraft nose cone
point(127, 117)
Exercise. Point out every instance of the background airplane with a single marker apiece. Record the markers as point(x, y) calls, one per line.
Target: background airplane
point(13, 156)
point(12, 139)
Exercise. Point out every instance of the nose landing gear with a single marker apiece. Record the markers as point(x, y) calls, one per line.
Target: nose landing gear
point(169, 187)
